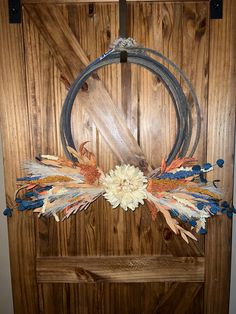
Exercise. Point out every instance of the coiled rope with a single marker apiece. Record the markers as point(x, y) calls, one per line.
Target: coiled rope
point(138, 55)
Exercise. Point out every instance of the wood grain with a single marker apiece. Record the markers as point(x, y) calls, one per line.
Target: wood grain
point(103, 231)
point(220, 136)
point(14, 120)
point(105, 298)
point(101, 30)
point(195, 59)
point(120, 269)
point(161, 30)
point(172, 16)
point(178, 299)
point(71, 60)
point(33, 85)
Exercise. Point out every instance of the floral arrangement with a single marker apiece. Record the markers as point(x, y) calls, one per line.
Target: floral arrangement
point(179, 191)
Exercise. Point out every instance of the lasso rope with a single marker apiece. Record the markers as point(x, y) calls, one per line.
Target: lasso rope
point(137, 55)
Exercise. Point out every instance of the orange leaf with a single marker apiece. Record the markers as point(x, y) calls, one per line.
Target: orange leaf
point(90, 173)
point(163, 165)
point(30, 186)
point(179, 162)
point(162, 185)
point(87, 154)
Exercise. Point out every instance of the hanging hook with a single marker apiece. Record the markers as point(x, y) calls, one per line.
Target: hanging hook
point(122, 18)
point(123, 56)
point(122, 25)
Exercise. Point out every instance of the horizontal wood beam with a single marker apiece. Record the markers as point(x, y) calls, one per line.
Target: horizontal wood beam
point(120, 269)
point(101, 1)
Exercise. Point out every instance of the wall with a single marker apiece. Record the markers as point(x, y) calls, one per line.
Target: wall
point(233, 265)
point(6, 304)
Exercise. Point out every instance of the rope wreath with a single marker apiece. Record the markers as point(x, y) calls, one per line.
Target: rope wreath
point(138, 55)
point(178, 189)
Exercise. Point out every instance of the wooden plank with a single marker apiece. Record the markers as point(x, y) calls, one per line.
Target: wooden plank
point(195, 64)
point(120, 269)
point(100, 298)
point(195, 60)
point(72, 298)
point(197, 305)
point(221, 130)
point(145, 109)
point(15, 130)
point(71, 59)
point(149, 87)
point(155, 106)
point(172, 37)
point(83, 21)
point(42, 78)
point(81, 234)
point(178, 299)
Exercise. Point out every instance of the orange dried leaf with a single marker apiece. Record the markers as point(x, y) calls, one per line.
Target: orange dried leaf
point(30, 186)
point(179, 162)
point(163, 165)
point(170, 221)
point(66, 162)
point(90, 173)
point(186, 232)
point(162, 185)
point(183, 235)
point(87, 156)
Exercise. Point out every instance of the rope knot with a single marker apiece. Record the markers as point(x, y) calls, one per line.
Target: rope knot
point(123, 43)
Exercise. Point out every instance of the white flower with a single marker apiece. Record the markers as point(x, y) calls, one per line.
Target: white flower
point(125, 186)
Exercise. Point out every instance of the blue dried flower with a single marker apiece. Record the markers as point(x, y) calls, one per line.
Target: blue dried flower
point(207, 166)
point(202, 177)
point(227, 209)
point(29, 194)
point(184, 218)
point(26, 205)
point(224, 210)
point(202, 231)
point(200, 206)
point(220, 163)
point(28, 178)
point(7, 212)
point(214, 209)
point(21, 207)
point(225, 204)
point(196, 168)
point(174, 213)
point(192, 222)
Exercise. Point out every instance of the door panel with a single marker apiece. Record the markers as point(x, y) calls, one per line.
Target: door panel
point(105, 260)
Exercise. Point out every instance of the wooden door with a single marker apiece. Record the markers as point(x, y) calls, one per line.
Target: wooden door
point(104, 260)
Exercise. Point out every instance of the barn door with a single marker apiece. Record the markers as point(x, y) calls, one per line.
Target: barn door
point(104, 260)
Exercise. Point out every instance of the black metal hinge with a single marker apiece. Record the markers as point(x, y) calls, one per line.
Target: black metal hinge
point(216, 9)
point(14, 7)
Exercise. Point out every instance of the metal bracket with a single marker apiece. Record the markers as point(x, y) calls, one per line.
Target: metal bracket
point(122, 18)
point(216, 9)
point(123, 56)
point(14, 7)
